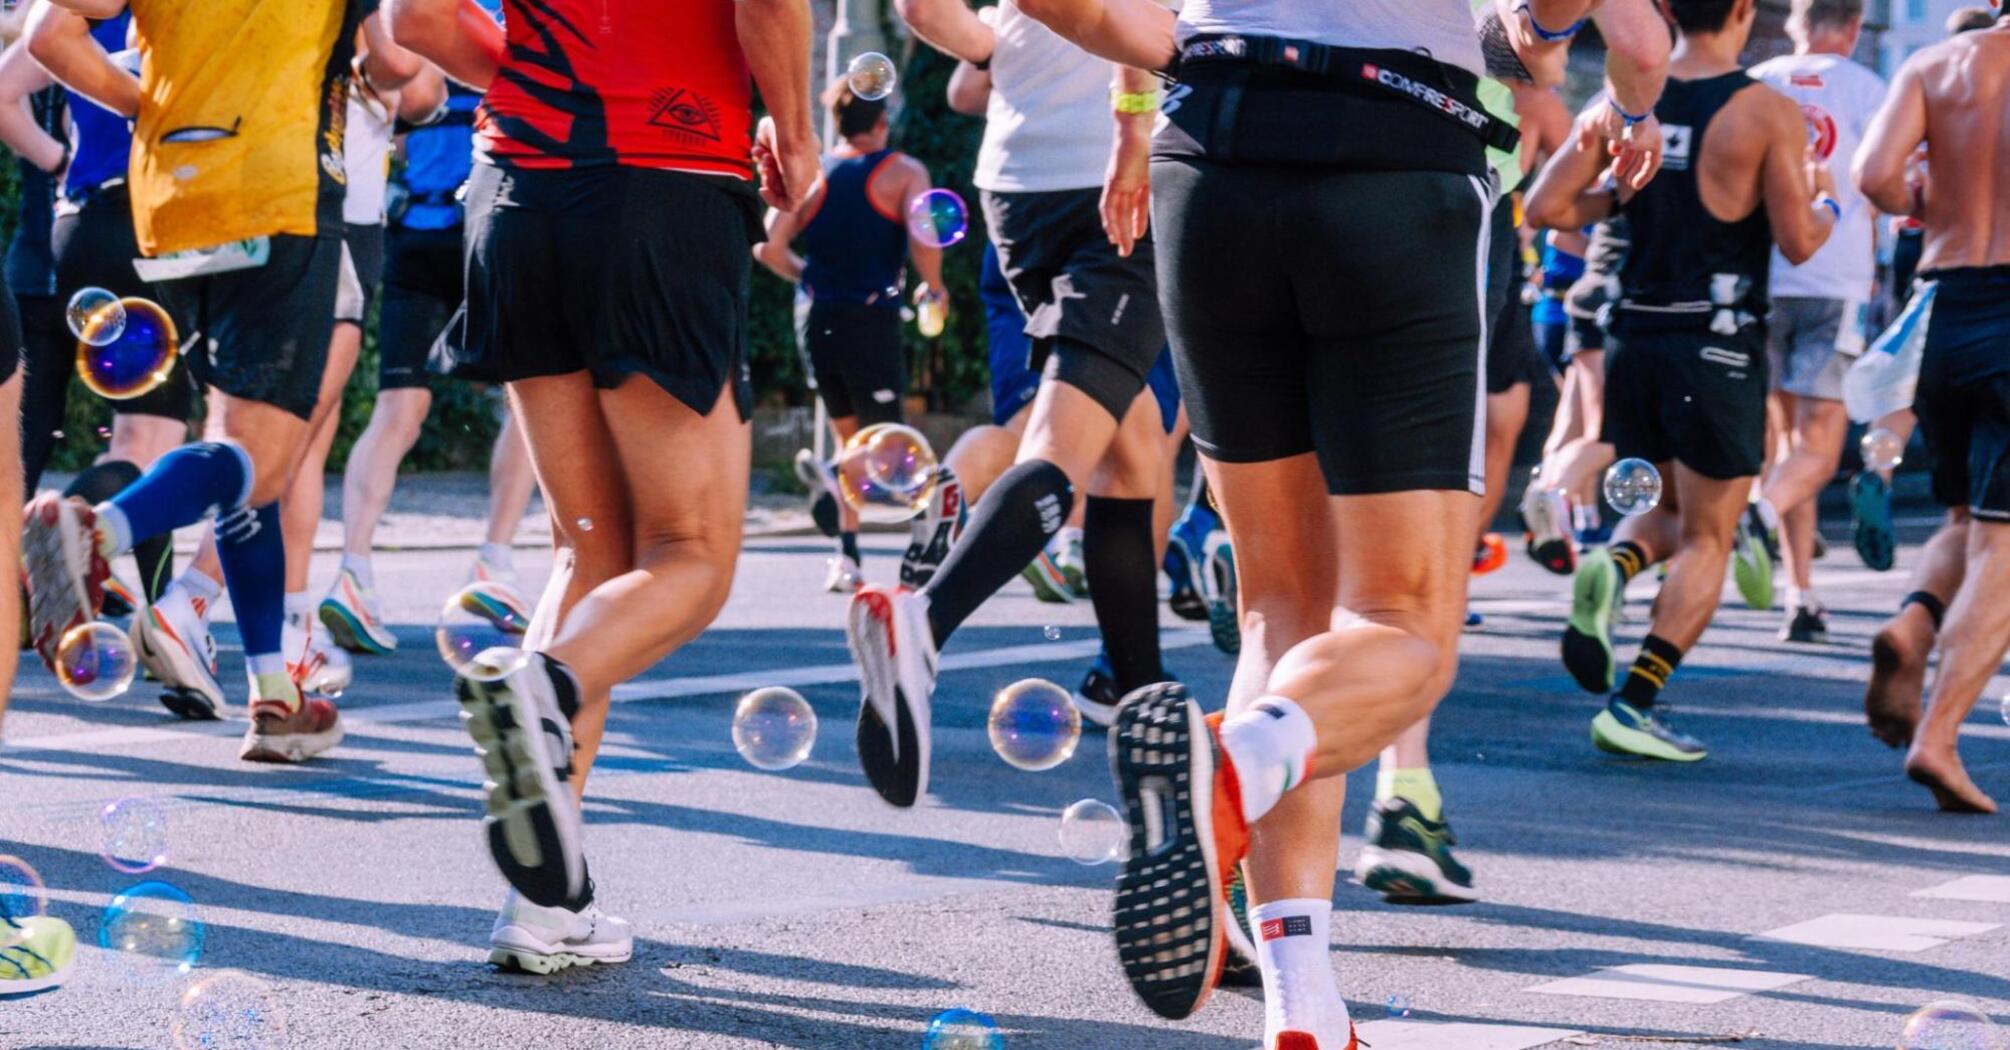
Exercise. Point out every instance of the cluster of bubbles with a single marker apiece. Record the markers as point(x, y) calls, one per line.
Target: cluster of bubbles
point(228, 1010)
point(1092, 832)
point(153, 931)
point(774, 728)
point(938, 218)
point(95, 661)
point(1633, 486)
point(125, 347)
point(1949, 1024)
point(479, 617)
point(961, 1029)
point(1881, 449)
point(871, 76)
point(1034, 725)
point(23, 896)
point(133, 835)
point(887, 473)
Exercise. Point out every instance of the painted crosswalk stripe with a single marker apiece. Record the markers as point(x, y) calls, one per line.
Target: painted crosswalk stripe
point(1660, 983)
point(1992, 888)
point(1429, 1035)
point(1876, 932)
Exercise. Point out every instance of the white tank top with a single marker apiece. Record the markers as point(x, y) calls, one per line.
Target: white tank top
point(1837, 98)
point(1441, 28)
point(366, 159)
point(1048, 126)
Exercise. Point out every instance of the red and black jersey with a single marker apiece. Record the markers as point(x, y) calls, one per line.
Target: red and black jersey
point(643, 83)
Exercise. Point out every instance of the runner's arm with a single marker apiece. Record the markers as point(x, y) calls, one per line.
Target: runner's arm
point(424, 97)
point(949, 27)
point(100, 9)
point(1127, 184)
point(1136, 33)
point(61, 41)
point(1883, 166)
point(775, 253)
point(1793, 183)
point(457, 35)
point(1571, 192)
point(775, 37)
point(927, 257)
point(20, 77)
point(387, 66)
point(969, 91)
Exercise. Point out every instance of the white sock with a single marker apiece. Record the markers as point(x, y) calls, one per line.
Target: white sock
point(198, 584)
point(115, 533)
point(500, 555)
point(1300, 993)
point(299, 607)
point(1768, 514)
point(358, 565)
point(1271, 745)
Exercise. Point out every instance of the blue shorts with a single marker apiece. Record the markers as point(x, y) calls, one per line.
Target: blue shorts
point(1165, 387)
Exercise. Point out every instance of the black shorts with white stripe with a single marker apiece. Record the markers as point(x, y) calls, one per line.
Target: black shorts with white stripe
point(1677, 390)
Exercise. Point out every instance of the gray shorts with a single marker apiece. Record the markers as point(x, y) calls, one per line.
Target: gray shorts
point(1812, 342)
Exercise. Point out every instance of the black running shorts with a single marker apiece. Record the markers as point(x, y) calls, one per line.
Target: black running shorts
point(1675, 390)
point(856, 358)
point(1512, 356)
point(422, 289)
point(1095, 311)
point(613, 270)
point(362, 271)
point(1963, 398)
point(1328, 310)
point(263, 331)
point(94, 246)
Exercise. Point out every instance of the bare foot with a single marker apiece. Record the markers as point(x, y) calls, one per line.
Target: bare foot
point(1897, 678)
point(1941, 773)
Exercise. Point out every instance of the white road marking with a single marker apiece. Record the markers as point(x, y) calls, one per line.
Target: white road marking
point(1992, 888)
point(1671, 984)
point(1428, 1035)
point(1875, 932)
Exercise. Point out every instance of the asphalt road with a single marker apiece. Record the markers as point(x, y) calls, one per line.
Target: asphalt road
point(793, 909)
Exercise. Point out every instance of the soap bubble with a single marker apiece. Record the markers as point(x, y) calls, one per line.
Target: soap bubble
point(887, 473)
point(22, 896)
point(229, 1010)
point(1881, 449)
point(938, 218)
point(774, 728)
point(133, 835)
point(1034, 725)
point(153, 931)
point(872, 76)
point(481, 616)
point(1949, 1024)
point(1633, 486)
point(95, 661)
point(961, 1029)
point(139, 358)
point(96, 316)
point(1092, 832)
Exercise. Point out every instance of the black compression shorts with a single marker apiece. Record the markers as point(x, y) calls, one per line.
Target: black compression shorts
point(362, 271)
point(855, 355)
point(422, 289)
point(1512, 356)
point(1963, 399)
point(1331, 311)
point(264, 330)
point(613, 270)
point(1675, 390)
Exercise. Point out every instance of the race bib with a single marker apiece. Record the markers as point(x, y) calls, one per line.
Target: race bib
point(197, 262)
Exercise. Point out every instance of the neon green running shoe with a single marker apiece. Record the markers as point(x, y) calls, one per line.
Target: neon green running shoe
point(1753, 556)
point(1595, 597)
point(42, 960)
point(1623, 729)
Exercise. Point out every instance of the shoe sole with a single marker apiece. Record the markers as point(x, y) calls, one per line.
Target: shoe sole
point(65, 584)
point(192, 693)
point(14, 989)
point(545, 959)
point(1404, 877)
point(1587, 636)
point(350, 632)
point(869, 630)
point(289, 747)
point(533, 829)
point(1615, 739)
point(1752, 570)
point(1870, 513)
point(1170, 908)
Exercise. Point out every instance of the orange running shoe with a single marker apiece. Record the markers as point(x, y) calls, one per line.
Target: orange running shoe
point(1490, 555)
point(1184, 808)
point(1302, 1041)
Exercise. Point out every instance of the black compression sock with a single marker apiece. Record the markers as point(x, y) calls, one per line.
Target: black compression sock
point(1934, 606)
point(1630, 558)
point(153, 554)
point(1651, 671)
point(848, 545)
point(1021, 512)
point(1123, 586)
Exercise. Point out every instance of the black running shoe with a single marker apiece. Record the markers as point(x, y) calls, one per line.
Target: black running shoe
point(1097, 697)
point(1807, 624)
point(1870, 515)
point(1408, 858)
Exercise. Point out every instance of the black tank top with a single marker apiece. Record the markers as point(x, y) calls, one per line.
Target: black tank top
point(1682, 255)
point(852, 251)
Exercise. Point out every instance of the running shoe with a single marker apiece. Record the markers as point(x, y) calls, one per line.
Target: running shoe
point(1239, 969)
point(1408, 858)
point(1807, 624)
point(1182, 569)
point(1187, 838)
point(1545, 513)
point(842, 574)
point(545, 940)
point(119, 600)
point(350, 612)
point(317, 666)
point(42, 955)
point(1870, 515)
point(1595, 598)
point(66, 569)
point(1196, 523)
point(1224, 618)
point(821, 482)
point(518, 707)
point(1623, 729)
point(895, 649)
point(283, 731)
point(174, 643)
point(1490, 555)
point(1050, 584)
point(1752, 558)
point(1097, 697)
point(934, 532)
point(486, 571)
point(1068, 558)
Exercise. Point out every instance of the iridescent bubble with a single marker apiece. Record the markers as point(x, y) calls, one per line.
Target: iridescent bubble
point(1881, 449)
point(229, 1010)
point(871, 76)
point(96, 316)
point(1633, 486)
point(133, 834)
point(481, 616)
point(153, 931)
point(1034, 725)
point(774, 728)
point(139, 358)
point(1092, 832)
point(938, 218)
point(1051, 633)
point(1949, 1024)
point(95, 661)
point(1398, 1005)
point(22, 896)
point(961, 1029)
point(887, 473)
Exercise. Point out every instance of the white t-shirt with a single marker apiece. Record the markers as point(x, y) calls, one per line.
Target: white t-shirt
point(366, 159)
point(1441, 28)
point(1838, 98)
point(1049, 125)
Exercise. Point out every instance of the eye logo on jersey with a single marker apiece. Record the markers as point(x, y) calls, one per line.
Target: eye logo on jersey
point(684, 112)
point(1821, 130)
point(1677, 141)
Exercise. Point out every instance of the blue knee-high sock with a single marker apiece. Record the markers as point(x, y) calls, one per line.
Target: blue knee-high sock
point(253, 552)
point(184, 487)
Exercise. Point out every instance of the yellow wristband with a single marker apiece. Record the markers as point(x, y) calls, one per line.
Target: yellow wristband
point(1134, 102)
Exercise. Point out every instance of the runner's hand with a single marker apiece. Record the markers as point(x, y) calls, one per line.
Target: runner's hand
point(1637, 149)
point(1127, 187)
point(789, 165)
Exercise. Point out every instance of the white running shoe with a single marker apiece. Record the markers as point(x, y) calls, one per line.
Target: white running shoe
point(844, 575)
point(518, 707)
point(65, 559)
point(895, 649)
point(318, 667)
point(486, 571)
point(1546, 514)
point(546, 940)
point(174, 643)
point(350, 612)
